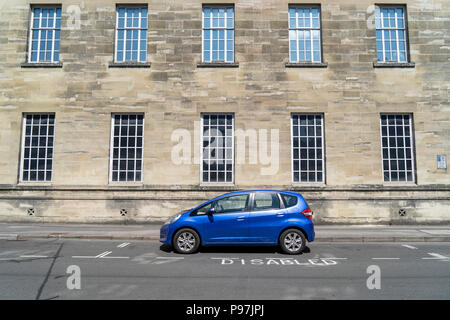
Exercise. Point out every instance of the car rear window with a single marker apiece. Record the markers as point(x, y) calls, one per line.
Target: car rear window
point(266, 201)
point(289, 201)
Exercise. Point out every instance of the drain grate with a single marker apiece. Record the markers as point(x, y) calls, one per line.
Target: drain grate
point(30, 211)
point(123, 212)
point(402, 212)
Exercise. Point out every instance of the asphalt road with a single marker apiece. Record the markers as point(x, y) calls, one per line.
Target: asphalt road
point(37, 269)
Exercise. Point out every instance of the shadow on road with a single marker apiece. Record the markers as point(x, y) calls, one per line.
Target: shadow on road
point(237, 249)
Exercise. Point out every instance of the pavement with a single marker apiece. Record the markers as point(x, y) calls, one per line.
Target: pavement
point(324, 233)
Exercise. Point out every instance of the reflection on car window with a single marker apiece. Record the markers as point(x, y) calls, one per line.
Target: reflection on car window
point(230, 204)
point(266, 201)
point(289, 201)
point(204, 210)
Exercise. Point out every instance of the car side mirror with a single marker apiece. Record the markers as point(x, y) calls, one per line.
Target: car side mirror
point(211, 211)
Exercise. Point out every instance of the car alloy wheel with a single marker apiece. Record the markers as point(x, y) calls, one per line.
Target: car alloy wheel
point(292, 241)
point(186, 241)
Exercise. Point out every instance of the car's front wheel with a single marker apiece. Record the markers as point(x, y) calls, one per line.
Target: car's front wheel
point(292, 241)
point(186, 241)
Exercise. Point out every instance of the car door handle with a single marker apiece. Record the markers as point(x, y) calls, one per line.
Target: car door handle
point(280, 215)
point(241, 218)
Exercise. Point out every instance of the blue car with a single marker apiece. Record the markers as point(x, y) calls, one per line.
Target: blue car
point(262, 217)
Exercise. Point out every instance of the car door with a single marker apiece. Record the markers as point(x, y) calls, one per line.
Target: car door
point(266, 217)
point(228, 223)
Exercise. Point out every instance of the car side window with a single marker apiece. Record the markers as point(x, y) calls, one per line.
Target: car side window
point(266, 201)
point(289, 201)
point(238, 203)
point(204, 210)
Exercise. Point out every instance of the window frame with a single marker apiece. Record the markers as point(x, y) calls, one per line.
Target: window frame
point(299, 62)
point(380, 6)
point(111, 151)
point(22, 149)
point(323, 159)
point(219, 62)
point(125, 28)
point(232, 149)
point(412, 146)
point(30, 36)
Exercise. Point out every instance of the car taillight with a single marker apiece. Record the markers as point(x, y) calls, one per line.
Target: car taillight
point(307, 213)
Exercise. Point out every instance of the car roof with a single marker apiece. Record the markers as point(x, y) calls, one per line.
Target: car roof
point(252, 191)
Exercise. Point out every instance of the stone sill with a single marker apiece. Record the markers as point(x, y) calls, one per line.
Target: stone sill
point(394, 64)
point(41, 65)
point(34, 186)
point(308, 185)
point(306, 65)
point(218, 65)
point(129, 65)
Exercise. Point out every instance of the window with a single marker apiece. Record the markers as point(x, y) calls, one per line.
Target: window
point(304, 34)
point(266, 201)
point(289, 201)
point(127, 141)
point(131, 34)
point(45, 34)
point(218, 34)
point(390, 23)
point(238, 203)
point(37, 147)
point(307, 148)
point(217, 148)
point(397, 147)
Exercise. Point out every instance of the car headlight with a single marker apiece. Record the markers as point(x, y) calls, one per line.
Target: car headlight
point(173, 218)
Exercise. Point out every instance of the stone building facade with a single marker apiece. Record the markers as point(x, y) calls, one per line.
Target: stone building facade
point(85, 90)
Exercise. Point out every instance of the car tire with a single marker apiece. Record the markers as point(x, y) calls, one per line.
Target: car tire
point(186, 241)
point(292, 241)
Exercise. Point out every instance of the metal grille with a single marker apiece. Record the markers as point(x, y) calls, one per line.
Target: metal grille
point(127, 152)
point(397, 147)
point(217, 148)
point(37, 147)
point(307, 148)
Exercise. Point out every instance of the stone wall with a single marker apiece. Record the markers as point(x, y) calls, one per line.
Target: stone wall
point(261, 92)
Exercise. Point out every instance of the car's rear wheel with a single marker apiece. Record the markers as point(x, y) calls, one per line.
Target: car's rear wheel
point(292, 241)
point(186, 241)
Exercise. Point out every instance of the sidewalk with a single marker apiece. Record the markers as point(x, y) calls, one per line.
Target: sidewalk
point(324, 233)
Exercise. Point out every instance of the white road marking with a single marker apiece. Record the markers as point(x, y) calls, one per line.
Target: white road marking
point(123, 245)
point(104, 254)
point(437, 256)
point(408, 246)
point(7, 236)
point(33, 256)
point(437, 232)
point(169, 257)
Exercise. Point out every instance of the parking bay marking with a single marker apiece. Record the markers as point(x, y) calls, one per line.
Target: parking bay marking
point(408, 246)
point(280, 261)
point(437, 256)
point(103, 255)
point(123, 245)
